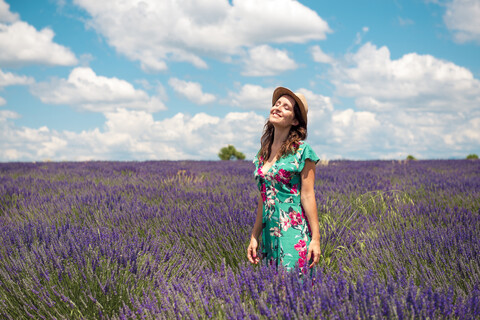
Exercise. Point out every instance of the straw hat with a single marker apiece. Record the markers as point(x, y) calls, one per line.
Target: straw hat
point(299, 98)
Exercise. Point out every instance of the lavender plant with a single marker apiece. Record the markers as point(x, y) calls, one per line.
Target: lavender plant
point(167, 239)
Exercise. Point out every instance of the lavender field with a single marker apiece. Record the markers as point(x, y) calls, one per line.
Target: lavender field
point(167, 240)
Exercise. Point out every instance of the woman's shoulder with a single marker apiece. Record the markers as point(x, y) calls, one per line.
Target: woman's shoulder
point(305, 151)
point(298, 149)
point(303, 145)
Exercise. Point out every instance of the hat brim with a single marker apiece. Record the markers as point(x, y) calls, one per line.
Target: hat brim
point(280, 91)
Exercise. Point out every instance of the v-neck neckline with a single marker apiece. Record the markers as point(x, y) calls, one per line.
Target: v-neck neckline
point(263, 165)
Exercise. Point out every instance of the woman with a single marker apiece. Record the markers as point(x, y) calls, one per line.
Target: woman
point(285, 173)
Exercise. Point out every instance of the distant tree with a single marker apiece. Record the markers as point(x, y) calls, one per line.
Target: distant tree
point(472, 156)
point(230, 153)
point(410, 157)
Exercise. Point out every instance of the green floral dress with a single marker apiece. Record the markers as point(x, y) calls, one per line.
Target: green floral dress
point(285, 230)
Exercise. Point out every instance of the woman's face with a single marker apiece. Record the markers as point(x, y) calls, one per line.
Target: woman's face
point(282, 113)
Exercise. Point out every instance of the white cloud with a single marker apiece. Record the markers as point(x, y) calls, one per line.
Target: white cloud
point(417, 104)
point(191, 90)
point(88, 91)
point(26, 143)
point(369, 135)
point(22, 44)
point(319, 56)
point(135, 123)
point(462, 17)
point(317, 104)
point(354, 129)
point(340, 133)
point(413, 82)
point(252, 97)
point(5, 14)
point(9, 79)
point(8, 114)
point(267, 61)
point(192, 29)
point(135, 135)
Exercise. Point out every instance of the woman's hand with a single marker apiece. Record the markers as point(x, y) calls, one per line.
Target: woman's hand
point(314, 252)
point(252, 251)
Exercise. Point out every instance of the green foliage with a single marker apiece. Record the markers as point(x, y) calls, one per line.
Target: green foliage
point(410, 157)
point(229, 153)
point(472, 156)
point(343, 214)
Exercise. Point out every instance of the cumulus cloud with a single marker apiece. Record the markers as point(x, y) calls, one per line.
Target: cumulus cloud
point(5, 14)
point(339, 133)
point(417, 104)
point(251, 97)
point(334, 133)
point(26, 143)
point(9, 79)
point(462, 17)
point(319, 56)
point(412, 82)
point(267, 61)
point(21, 44)
point(193, 29)
point(191, 90)
point(8, 114)
point(131, 134)
point(356, 134)
point(318, 104)
point(352, 129)
point(86, 90)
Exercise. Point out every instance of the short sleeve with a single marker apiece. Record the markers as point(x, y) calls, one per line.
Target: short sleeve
point(306, 152)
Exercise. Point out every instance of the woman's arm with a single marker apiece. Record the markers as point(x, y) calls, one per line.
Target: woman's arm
point(309, 204)
point(257, 230)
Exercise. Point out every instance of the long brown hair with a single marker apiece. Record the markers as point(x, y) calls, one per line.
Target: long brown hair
point(290, 145)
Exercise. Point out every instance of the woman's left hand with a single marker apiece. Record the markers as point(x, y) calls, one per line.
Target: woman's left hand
point(314, 252)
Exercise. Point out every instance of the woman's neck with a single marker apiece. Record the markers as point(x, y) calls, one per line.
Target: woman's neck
point(279, 136)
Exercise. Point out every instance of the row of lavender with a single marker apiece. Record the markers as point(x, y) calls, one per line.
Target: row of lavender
point(167, 240)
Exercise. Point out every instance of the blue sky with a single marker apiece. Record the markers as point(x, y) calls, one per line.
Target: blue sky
point(146, 80)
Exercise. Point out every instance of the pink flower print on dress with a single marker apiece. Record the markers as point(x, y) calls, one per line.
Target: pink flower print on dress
point(263, 192)
point(283, 176)
point(301, 247)
point(302, 262)
point(303, 254)
point(259, 171)
point(285, 223)
point(295, 218)
point(275, 231)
